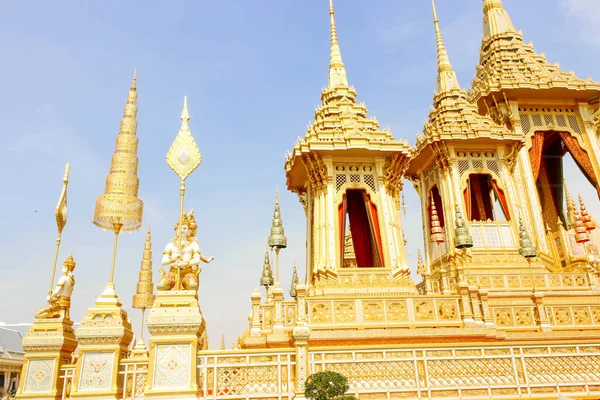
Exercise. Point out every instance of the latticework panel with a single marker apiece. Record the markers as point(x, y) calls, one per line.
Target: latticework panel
point(355, 175)
point(377, 376)
point(473, 372)
point(550, 119)
point(573, 369)
point(245, 380)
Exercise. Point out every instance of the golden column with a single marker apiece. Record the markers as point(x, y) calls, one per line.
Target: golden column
point(105, 332)
point(50, 342)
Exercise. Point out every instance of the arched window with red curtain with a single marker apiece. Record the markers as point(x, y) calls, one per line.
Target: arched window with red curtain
point(363, 219)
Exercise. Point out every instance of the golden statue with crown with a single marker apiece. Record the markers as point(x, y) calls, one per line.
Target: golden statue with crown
point(183, 255)
point(59, 302)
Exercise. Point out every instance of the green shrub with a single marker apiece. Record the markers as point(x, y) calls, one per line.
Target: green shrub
point(326, 385)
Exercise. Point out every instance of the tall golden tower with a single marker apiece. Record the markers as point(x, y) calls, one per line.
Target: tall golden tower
point(553, 112)
point(459, 164)
point(346, 170)
point(105, 332)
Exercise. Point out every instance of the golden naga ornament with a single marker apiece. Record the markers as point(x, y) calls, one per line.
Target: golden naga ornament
point(184, 155)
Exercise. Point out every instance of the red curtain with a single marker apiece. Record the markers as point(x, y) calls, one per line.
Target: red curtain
point(375, 232)
point(502, 199)
point(360, 229)
point(467, 196)
point(581, 158)
point(535, 153)
point(342, 226)
point(480, 197)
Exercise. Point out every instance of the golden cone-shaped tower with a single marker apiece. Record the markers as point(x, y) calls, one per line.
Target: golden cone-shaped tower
point(437, 232)
point(571, 207)
point(119, 208)
point(420, 265)
point(446, 79)
point(586, 218)
point(581, 233)
point(144, 294)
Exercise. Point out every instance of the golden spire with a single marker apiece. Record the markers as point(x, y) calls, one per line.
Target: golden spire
point(144, 295)
point(571, 207)
point(420, 265)
point(588, 222)
point(337, 72)
point(437, 232)
point(446, 79)
point(496, 19)
point(119, 208)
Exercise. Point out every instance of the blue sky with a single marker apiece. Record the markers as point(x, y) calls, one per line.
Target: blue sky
point(252, 71)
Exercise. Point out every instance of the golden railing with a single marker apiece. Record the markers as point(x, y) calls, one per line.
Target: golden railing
point(135, 374)
point(405, 311)
point(67, 376)
point(246, 374)
point(520, 282)
point(466, 372)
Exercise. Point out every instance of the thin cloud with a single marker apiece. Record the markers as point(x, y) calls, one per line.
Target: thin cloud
point(589, 12)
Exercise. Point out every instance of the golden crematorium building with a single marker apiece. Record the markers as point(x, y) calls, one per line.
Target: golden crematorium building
point(509, 302)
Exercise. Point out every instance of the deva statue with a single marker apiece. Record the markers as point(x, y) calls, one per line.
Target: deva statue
point(183, 255)
point(59, 301)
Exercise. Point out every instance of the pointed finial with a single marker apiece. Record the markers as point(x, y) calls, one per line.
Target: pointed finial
point(496, 19)
point(446, 79)
point(462, 237)
point(294, 281)
point(437, 232)
point(527, 248)
point(571, 207)
point(420, 265)
point(277, 237)
point(134, 81)
point(266, 278)
point(223, 342)
point(276, 195)
point(144, 295)
point(184, 155)
point(337, 72)
point(185, 115)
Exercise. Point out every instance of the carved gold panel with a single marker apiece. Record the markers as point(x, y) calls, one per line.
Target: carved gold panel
point(345, 312)
point(424, 310)
point(562, 316)
point(524, 317)
point(447, 311)
point(397, 311)
point(373, 311)
point(320, 313)
point(503, 317)
point(582, 316)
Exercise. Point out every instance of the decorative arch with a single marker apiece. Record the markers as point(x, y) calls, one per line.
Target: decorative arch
point(484, 198)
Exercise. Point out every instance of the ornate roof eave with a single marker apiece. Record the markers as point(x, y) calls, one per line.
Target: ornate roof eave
point(530, 75)
point(341, 147)
point(424, 152)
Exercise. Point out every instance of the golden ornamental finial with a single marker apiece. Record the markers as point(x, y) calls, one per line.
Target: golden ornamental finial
point(61, 220)
point(134, 81)
point(184, 156)
point(61, 208)
point(496, 20)
point(337, 72)
point(446, 79)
